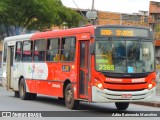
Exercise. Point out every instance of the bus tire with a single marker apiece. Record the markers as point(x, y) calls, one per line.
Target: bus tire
point(60, 99)
point(70, 102)
point(22, 90)
point(16, 94)
point(122, 105)
point(32, 96)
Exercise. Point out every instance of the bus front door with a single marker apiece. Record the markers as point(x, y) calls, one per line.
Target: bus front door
point(84, 72)
point(10, 57)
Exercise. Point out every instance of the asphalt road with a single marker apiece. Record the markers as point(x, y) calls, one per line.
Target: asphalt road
point(44, 103)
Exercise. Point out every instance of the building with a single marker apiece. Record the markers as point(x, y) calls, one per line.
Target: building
point(113, 18)
point(154, 23)
point(136, 19)
point(154, 18)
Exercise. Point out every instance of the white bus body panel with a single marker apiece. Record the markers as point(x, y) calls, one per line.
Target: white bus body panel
point(105, 95)
point(15, 74)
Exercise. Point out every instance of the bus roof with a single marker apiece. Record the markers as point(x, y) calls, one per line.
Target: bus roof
point(18, 37)
point(65, 32)
point(125, 26)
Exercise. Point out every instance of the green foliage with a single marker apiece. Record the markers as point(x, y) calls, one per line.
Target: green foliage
point(157, 27)
point(36, 14)
point(157, 31)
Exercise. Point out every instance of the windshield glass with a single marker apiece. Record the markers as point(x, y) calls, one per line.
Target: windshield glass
point(121, 55)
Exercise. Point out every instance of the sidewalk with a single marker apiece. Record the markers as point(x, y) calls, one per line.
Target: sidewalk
point(157, 99)
point(153, 104)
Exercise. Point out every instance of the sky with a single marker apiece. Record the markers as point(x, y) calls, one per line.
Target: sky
point(120, 6)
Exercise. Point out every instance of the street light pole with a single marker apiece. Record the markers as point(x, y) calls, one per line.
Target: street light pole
point(92, 5)
point(93, 21)
point(92, 14)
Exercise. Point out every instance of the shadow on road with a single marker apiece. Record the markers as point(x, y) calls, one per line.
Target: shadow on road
point(84, 109)
point(82, 106)
point(60, 103)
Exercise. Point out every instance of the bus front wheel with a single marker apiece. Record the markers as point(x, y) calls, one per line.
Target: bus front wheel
point(122, 105)
point(70, 102)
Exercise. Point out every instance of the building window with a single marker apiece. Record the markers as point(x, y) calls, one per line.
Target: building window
point(39, 50)
point(27, 51)
point(68, 49)
point(18, 51)
point(53, 46)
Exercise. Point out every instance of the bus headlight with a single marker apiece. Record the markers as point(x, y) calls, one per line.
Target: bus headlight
point(150, 86)
point(99, 84)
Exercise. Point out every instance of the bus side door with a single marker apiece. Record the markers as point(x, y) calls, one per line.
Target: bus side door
point(84, 69)
point(9, 69)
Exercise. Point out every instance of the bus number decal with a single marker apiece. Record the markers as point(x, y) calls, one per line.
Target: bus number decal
point(106, 32)
point(105, 67)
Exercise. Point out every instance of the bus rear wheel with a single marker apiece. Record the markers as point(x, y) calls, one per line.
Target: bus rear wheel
point(122, 105)
point(70, 102)
point(16, 94)
point(22, 92)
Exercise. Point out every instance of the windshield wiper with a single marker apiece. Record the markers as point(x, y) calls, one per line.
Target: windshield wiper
point(137, 48)
point(110, 41)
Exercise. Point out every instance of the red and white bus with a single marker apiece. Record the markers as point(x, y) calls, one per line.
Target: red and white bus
point(108, 63)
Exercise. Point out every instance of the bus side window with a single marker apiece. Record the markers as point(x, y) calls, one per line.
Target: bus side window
point(18, 51)
point(53, 46)
point(27, 51)
point(5, 53)
point(68, 49)
point(39, 50)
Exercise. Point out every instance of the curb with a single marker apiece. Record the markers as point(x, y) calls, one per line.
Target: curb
point(153, 104)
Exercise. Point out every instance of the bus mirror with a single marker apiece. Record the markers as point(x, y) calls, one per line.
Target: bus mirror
point(92, 49)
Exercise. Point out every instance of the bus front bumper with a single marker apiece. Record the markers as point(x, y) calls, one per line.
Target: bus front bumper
point(106, 95)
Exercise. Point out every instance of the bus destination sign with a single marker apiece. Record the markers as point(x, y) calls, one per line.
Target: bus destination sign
point(124, 32)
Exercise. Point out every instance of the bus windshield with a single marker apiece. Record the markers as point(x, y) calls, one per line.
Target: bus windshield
point(124, 55)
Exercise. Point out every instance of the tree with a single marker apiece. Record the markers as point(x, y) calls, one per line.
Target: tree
point(17, 15)
point(157, 32)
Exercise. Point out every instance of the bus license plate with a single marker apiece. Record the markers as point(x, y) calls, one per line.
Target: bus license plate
point(126, 96)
